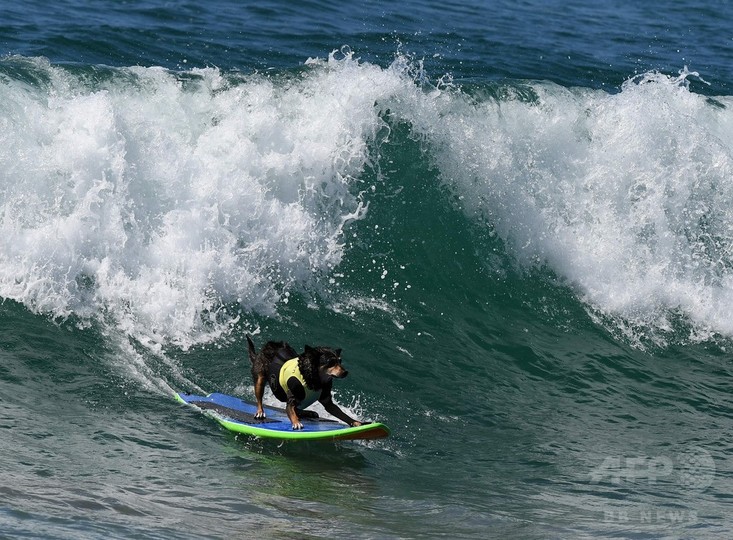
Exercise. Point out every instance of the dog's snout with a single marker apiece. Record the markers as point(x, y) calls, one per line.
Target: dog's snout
point(338, 372)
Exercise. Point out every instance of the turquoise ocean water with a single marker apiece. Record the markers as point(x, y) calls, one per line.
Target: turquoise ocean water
point(516, 219)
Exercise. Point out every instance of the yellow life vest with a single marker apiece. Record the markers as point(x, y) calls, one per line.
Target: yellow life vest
point(291, 369)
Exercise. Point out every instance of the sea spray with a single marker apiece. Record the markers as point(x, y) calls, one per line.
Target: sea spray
point(171, 203)
point(156, 199)
point(625, 196)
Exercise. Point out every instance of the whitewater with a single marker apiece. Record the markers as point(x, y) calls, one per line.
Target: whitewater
point(167, 204)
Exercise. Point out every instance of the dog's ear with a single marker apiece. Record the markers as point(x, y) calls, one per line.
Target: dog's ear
point(338, 353)
point(309, 349)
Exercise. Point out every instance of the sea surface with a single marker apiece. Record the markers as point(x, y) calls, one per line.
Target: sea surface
point(514, 217)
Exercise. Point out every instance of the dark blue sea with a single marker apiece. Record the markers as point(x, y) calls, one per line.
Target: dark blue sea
point(514, 217)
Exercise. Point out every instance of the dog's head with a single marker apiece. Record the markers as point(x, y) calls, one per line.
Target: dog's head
point(327, 362)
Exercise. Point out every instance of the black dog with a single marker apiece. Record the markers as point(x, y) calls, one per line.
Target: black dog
point(298, 380)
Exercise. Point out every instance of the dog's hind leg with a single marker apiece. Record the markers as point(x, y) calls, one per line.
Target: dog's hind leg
point(259, 376)
point(259, 393)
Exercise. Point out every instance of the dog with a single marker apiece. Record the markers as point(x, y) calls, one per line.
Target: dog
point(298, 379)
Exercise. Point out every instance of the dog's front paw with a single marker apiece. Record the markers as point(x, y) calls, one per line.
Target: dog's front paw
point(297, 425)
point(260, 414)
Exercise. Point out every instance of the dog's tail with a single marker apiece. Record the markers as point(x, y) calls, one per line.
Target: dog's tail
point(252, 351)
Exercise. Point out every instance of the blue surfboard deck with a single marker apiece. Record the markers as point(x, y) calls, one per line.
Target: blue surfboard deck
point(238, 415)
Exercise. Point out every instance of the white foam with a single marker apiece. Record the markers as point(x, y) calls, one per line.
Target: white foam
point(152, 201)
point(155, 200)
point(628, 196)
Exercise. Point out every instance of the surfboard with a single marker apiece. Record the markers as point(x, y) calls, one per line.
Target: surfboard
point(238, 416)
